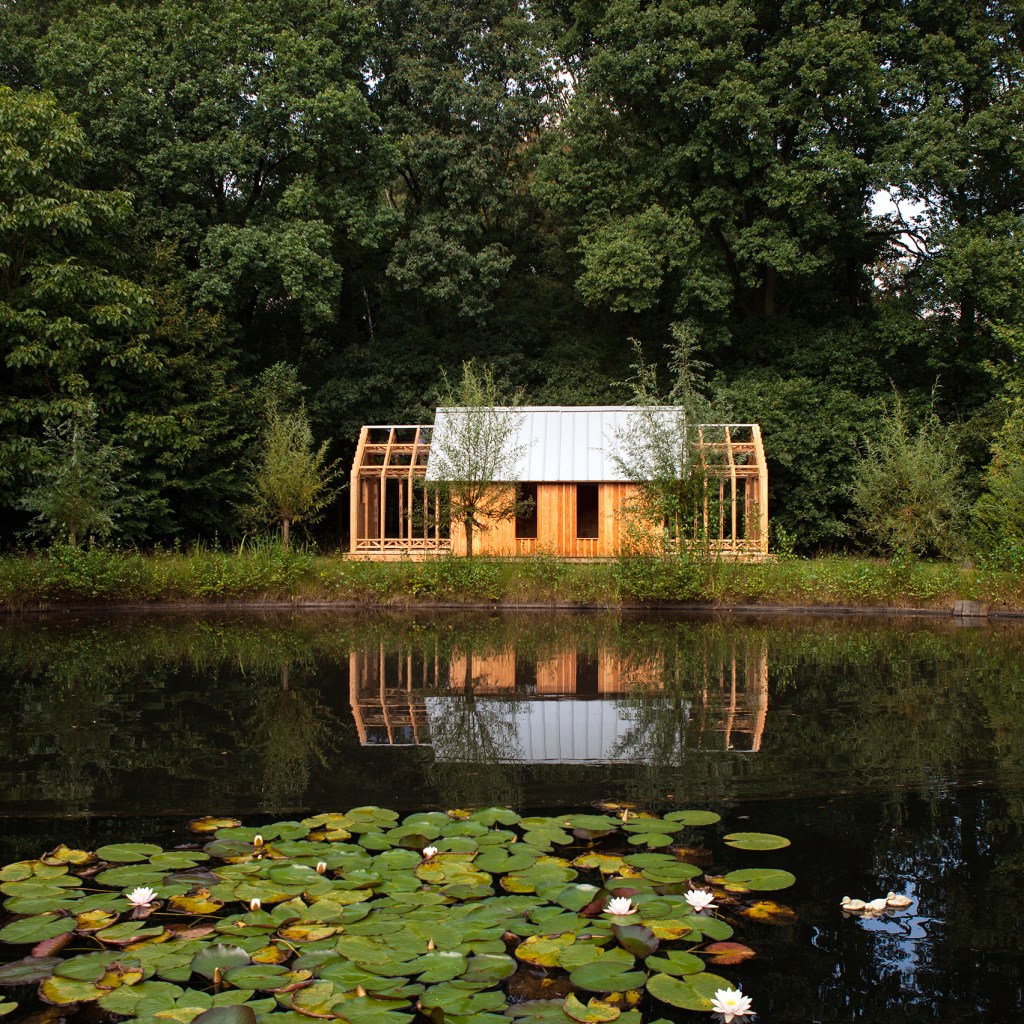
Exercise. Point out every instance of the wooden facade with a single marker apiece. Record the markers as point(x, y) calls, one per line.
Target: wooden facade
point(397, 513)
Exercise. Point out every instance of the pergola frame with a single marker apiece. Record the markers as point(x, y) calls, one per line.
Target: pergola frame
point(398, 454)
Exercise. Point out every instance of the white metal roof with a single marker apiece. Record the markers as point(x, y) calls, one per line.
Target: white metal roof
point(558, 443)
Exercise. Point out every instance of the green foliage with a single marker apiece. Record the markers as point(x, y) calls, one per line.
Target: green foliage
point(662, 580)
point(811, 430)
point(79, 489)
point(474, 453)
point(70, 324)
point(292, 483)
point(907, 488)
point(660, 450)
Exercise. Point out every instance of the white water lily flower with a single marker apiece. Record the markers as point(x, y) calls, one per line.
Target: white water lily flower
point(254, 903)
point(620, 906)
point(321, 867)
point(257, 840)
point(141, 897)
point(731, 1002)
point(701, 899)
point(429, 851)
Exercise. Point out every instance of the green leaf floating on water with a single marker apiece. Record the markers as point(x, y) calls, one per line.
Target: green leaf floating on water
point(761, 879)
point(29, 970)
point(755, 841)
point(35, 929)
point(128, 853)
point(695, 993)
point(355, 924)
point(226, 1015)
point(220, 956)
point(693, 818)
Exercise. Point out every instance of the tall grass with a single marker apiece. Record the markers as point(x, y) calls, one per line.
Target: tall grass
point(262, 571)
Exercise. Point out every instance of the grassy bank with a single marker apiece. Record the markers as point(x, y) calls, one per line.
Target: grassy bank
point(267, 573)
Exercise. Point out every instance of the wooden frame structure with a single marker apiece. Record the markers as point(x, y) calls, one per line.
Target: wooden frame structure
point(397, 514)
point(391, 462)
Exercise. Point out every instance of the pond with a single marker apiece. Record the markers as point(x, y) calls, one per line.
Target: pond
point(890, 752)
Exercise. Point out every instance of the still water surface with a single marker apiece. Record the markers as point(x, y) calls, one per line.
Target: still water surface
point(891, 753)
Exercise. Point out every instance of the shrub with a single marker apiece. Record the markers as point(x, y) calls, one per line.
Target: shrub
point(907, 491)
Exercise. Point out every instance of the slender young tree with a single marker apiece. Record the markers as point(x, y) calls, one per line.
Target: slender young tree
point(474, 452)
point(80, 480)
point(293, 482)
point(660, 449)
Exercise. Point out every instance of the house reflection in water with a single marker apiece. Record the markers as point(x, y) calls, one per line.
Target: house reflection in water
point(570, 707)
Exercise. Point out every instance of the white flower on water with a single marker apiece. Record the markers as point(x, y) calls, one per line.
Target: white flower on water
point(731, 1002)
point(621, 906)
point(257, 840)
point(254, 903)
point(429, 851)
point(141, 897)
point(701, 899)
point(321, 867)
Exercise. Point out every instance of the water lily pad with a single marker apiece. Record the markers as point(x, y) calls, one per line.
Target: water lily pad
point(29, 970)
point(769, 912)
point(438, 965)
point(487, 969)
point(761, 879)
point(307, 931)
point(728, 953)
point(675, 962)
point(127, 853)
point(755, 841)
point(178, 860)
point(670, 929)
point(609, 973)
point(227, 1015)
point(636, 938)
point(7, 1006)
point(197, 903)
point(137, 1000)
point(94, 920)
point(220, 955)
point(495, 815)
point(678, 993)
point(65, 855)
point(710, 927)
point(35, 929)
point(132, 876)
point(128, 931)
point(370, 1010)
point(693, 818)
point(454, 1000)
point(65, 991)
point(543, 951)
point(211, 824)
point(594, 1012)
point(264, 977)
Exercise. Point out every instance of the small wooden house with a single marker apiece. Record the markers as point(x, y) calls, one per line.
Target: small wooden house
point(570, 468)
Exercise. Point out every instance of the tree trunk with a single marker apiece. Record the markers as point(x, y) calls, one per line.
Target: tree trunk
point(469, 538)
point(285, 528)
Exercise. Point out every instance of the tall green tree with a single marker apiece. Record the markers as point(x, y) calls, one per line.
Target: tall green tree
point(955, 164)
point(71, 326)
point(245, 135)
point(717, 158)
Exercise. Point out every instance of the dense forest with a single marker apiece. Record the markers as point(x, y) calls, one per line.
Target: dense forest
point(203, 205)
